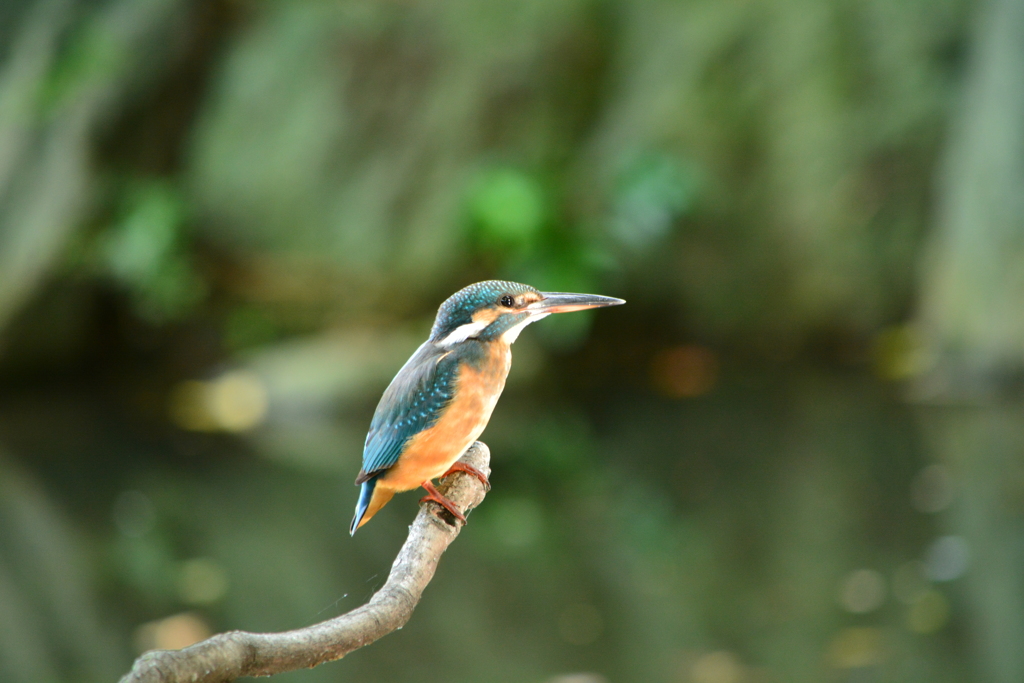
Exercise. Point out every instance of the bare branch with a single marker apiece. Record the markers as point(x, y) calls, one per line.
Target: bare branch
point(227, 656)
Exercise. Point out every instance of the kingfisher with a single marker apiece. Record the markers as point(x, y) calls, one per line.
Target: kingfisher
point(440, 401)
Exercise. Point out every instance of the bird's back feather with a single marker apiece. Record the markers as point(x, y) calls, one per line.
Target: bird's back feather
point(413, 402)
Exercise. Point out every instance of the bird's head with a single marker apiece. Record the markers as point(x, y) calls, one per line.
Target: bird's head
point(497, 310)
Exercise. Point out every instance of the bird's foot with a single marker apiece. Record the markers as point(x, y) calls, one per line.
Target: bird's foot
point(460, 466)
point(435, 495)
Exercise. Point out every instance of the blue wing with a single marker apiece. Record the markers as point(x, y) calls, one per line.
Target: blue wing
point(413, 401)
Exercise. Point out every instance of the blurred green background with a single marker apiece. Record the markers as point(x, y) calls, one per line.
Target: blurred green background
point(796, 455)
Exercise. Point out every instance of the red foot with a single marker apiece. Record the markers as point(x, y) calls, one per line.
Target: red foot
point(460, 466)
point(435, 495)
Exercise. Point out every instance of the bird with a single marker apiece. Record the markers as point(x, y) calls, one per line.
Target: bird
point(441, 400)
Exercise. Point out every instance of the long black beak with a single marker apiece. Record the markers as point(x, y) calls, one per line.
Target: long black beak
point(564, 302)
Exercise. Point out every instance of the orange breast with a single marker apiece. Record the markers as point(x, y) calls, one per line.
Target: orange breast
point(430, 453)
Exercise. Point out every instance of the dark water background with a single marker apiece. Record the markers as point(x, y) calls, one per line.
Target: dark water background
point(788, 525)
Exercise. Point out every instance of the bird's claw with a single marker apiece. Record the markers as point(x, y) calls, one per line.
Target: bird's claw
point(460, 466)
point(434, 495)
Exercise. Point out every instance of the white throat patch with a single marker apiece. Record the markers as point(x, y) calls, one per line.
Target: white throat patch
point(512, 333)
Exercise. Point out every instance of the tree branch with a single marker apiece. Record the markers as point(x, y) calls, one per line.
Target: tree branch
point(227, 656)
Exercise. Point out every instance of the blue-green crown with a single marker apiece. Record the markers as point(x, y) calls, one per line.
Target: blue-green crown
point(459, 308)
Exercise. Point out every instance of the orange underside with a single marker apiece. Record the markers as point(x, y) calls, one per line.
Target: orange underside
point(433, 451)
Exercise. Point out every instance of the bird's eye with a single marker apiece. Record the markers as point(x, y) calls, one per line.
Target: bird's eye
point(507, 301)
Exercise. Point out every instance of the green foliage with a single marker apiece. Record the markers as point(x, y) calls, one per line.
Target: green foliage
point(303, 182)
point(93, 57)
point(507, 208)
point(144, 250)
point(249, 326)
point(651, 194)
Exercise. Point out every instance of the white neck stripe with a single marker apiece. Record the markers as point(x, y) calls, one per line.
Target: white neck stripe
point(463, 332)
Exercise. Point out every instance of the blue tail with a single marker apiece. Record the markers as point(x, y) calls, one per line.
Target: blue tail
point(365, 494)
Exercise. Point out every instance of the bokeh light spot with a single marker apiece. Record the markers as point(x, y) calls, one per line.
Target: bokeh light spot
point(856, 647)
point(948, 558)
point(583, 677)
point(234, 402)
point(580, 624)
point(684, 371)
point(900, 353)
point(238, 400)
point(201, 581)
point(172, 633)
point(717, 667)
point(862, 591)
point(928, 613)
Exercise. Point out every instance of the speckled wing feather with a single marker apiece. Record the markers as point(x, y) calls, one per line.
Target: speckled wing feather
point(413, 401)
